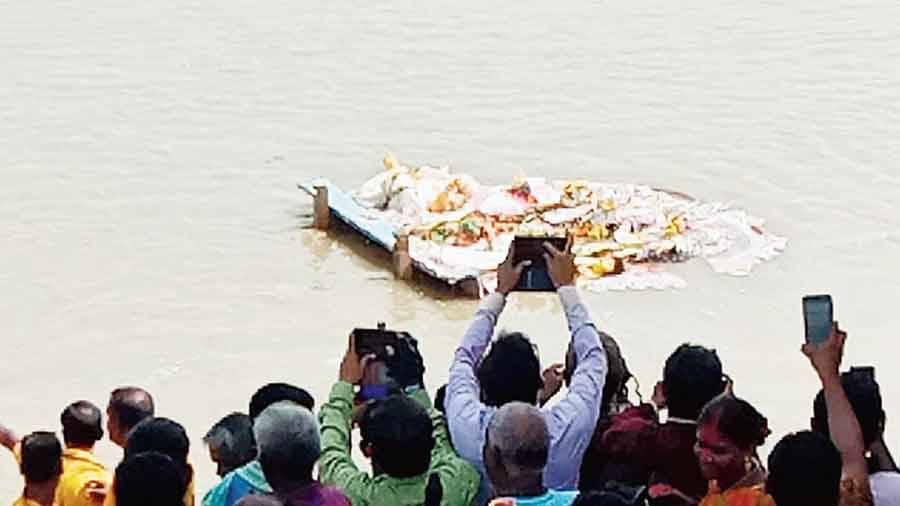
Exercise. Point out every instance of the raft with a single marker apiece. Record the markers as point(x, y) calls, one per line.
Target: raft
point(450, 227)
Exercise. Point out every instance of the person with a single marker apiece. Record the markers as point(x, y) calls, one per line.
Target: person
point(167, 437)
point(479, 384)
point(289, 447)
point(516, 450)
point(864, 394)
point(844, 429)
point(596, 468)
point(41, 466)
point(81, 427)
point(127, 407)
point(805, 468)
point(82, 424)
point(406, 439)
point(729, 432)
point(149, 479)
point(231, 443)
point(639, 450)
point(249, 478)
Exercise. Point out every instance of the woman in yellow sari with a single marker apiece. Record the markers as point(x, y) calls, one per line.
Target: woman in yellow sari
point(728, 434)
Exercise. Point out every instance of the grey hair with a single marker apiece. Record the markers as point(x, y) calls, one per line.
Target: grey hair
point(519, 433)
point(287, 434)
point(232, 439)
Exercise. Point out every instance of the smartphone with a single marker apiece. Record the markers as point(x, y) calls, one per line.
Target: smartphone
point(866, 371)
point(818, 316)
point(536, 277)
point(379, 342)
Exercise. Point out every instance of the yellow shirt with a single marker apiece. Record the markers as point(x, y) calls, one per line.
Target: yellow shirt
point(23, 501)
point(110, 499)
point(80, 468)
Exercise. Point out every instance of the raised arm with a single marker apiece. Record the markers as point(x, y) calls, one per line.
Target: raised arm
point(580, 408)
point(842, 422)
point(463, 399)
point(573, 421)
point(336, 465)
point(8, 437)
point(582, 404)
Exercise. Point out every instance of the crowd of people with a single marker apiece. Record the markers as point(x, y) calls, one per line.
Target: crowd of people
point(493, 435)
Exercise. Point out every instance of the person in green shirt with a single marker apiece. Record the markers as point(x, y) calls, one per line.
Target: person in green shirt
point(406, 439)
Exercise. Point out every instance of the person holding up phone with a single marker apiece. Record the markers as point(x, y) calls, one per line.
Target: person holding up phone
point(480, 384)
point(806, 468)
point(406, 440)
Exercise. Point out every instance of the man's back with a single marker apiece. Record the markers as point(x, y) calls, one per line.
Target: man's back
point(459, 480)
point(241, 482)
point(80, 468)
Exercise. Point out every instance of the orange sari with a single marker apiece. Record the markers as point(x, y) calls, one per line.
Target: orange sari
point(749, 491)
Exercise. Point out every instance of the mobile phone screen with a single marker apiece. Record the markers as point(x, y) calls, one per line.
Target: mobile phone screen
point(375, 342)
point(535, 277)
point(818, 314)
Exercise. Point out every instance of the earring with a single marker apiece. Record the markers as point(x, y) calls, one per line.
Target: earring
point(748, 464)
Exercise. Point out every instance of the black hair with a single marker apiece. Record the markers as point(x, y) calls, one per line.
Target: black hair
point(82, 424)
point(617, 375)
point(737, 420)
point(41, 457)
point(149, 479)
point(805, 468)
point(434, 490)
point(234, 441)
point(691, 378)
point(400, 432)
point(599, 498)
point(131, 405)
point(865, 397)
point(163, 436)
point(510, 371)
point(440, 399)
point(276, 392)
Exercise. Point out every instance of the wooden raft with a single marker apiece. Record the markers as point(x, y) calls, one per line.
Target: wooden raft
point(330, 201)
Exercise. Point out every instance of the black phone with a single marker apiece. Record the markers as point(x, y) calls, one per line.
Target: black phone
point(865, 371)
point(379, 341)
point(818, 317)
point(535, 277)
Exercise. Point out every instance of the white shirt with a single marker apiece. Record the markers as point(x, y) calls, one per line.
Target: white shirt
point(885, 488)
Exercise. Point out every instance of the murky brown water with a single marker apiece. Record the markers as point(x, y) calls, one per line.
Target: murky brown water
point(152, 232)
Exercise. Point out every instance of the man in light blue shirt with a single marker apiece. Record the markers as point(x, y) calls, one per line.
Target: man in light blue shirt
point(511, 372)
point(515, 453)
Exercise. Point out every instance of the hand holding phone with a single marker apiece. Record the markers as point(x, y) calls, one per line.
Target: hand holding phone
point(560, 263)
point(818, 317)
point(533, 253)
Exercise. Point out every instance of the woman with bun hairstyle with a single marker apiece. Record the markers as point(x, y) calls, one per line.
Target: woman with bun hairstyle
point(728, 434)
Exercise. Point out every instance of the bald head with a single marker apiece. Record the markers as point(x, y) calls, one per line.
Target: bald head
point(287, 435)
point(128, 406)
point(516, 449)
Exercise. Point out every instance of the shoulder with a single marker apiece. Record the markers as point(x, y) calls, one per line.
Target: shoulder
point(562, 497)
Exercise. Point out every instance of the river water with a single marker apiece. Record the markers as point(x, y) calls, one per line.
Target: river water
point(151, 231)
